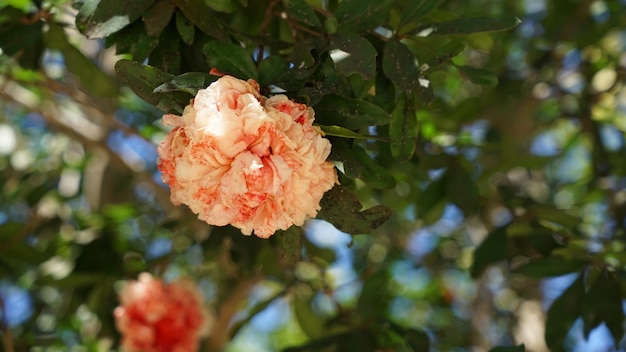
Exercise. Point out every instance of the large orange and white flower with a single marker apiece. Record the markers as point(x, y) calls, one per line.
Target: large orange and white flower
point(236, 157)
point(154, 316)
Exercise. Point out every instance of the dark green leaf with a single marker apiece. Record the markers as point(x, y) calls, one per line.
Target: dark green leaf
point(491, 250)
point(520, 348)
point(403, 130)
point(400, 66)
point(474, 25)
point(374, 174)
point(349, 113)
point(342, 152)
point(134, 40)
point(550, 266)
point(190, 82)
point(291, 244)
point(358, 55)
point(112, 15)
point(479, 76)
point(359, 15)
point(142, 79)
point(272, 69)
point(374, 296)
point(341, 207)
point(199, 13)
point(226, 6)
point(311, 323)
point(445, 54)
point(418, 340)
point(158, 17)
point(24, 41)
point(563, 313)
point(603, 304)
point(301, 56)
point(185, 28)
point(231, 59)
point(166, 55)
point(301, 11)
point(418, 9)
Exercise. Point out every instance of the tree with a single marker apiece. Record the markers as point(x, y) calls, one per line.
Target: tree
point(478, 157)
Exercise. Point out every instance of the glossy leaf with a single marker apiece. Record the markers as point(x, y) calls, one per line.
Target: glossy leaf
point(356, 55)
point(341, 207)
point(403, 130)
point(142, 79)
point(301, 11)
point(339, 131)
point(474, 25)
point(349, 113)
point(189, 82)
point(112, 15)
point(550, 266)
point(479, 75)
point(563, 313)
point(491, 250)
point(400, 66)
point(231, 59)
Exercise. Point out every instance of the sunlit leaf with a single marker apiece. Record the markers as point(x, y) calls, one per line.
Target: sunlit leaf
point(231, 59)
point(339, 131)
point(341, 207)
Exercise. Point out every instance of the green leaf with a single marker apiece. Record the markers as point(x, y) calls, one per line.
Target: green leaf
point(142, 79)
point(375, 175)
point(519, 348)
point(339, 131)
point(258, 308)
point(158, 17)
point(603, 304)
point(418, 340)
point(272, 69)
point(349, 113)
point(445, 54)
point(225, 6)
point(418, 9)
point(185, 28)
point(112, 15)
point(72, 281)
point(359, 15)
point(563, 313)
point(342, 152)
point(400, 66)
point(341, 207)
point(23, 41)
point(301, 11)
point(134, 40)
point(550, 266)
point(92, 79)
point(200, 14)
point(473, 25)
point(403, 130)
point(311, 323)
point(358, 55)
point(375, 296)
point(190, 82)
point(166, 55)
point(492, 249)
point(231, 59)
point(478, 75)
point(291, 244)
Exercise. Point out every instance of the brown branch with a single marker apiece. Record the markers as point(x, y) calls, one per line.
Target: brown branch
point(7, 336)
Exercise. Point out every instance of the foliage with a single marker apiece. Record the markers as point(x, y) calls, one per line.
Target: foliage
point(481, 161)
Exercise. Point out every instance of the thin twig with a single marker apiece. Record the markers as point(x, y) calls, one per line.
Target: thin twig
point(266, 20)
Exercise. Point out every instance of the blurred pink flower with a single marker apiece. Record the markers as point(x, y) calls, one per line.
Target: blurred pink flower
point(158, 317)
point(236, 157)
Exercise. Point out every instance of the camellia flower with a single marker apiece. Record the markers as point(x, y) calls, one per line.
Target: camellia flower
point(158, 317)
point(236, 157)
